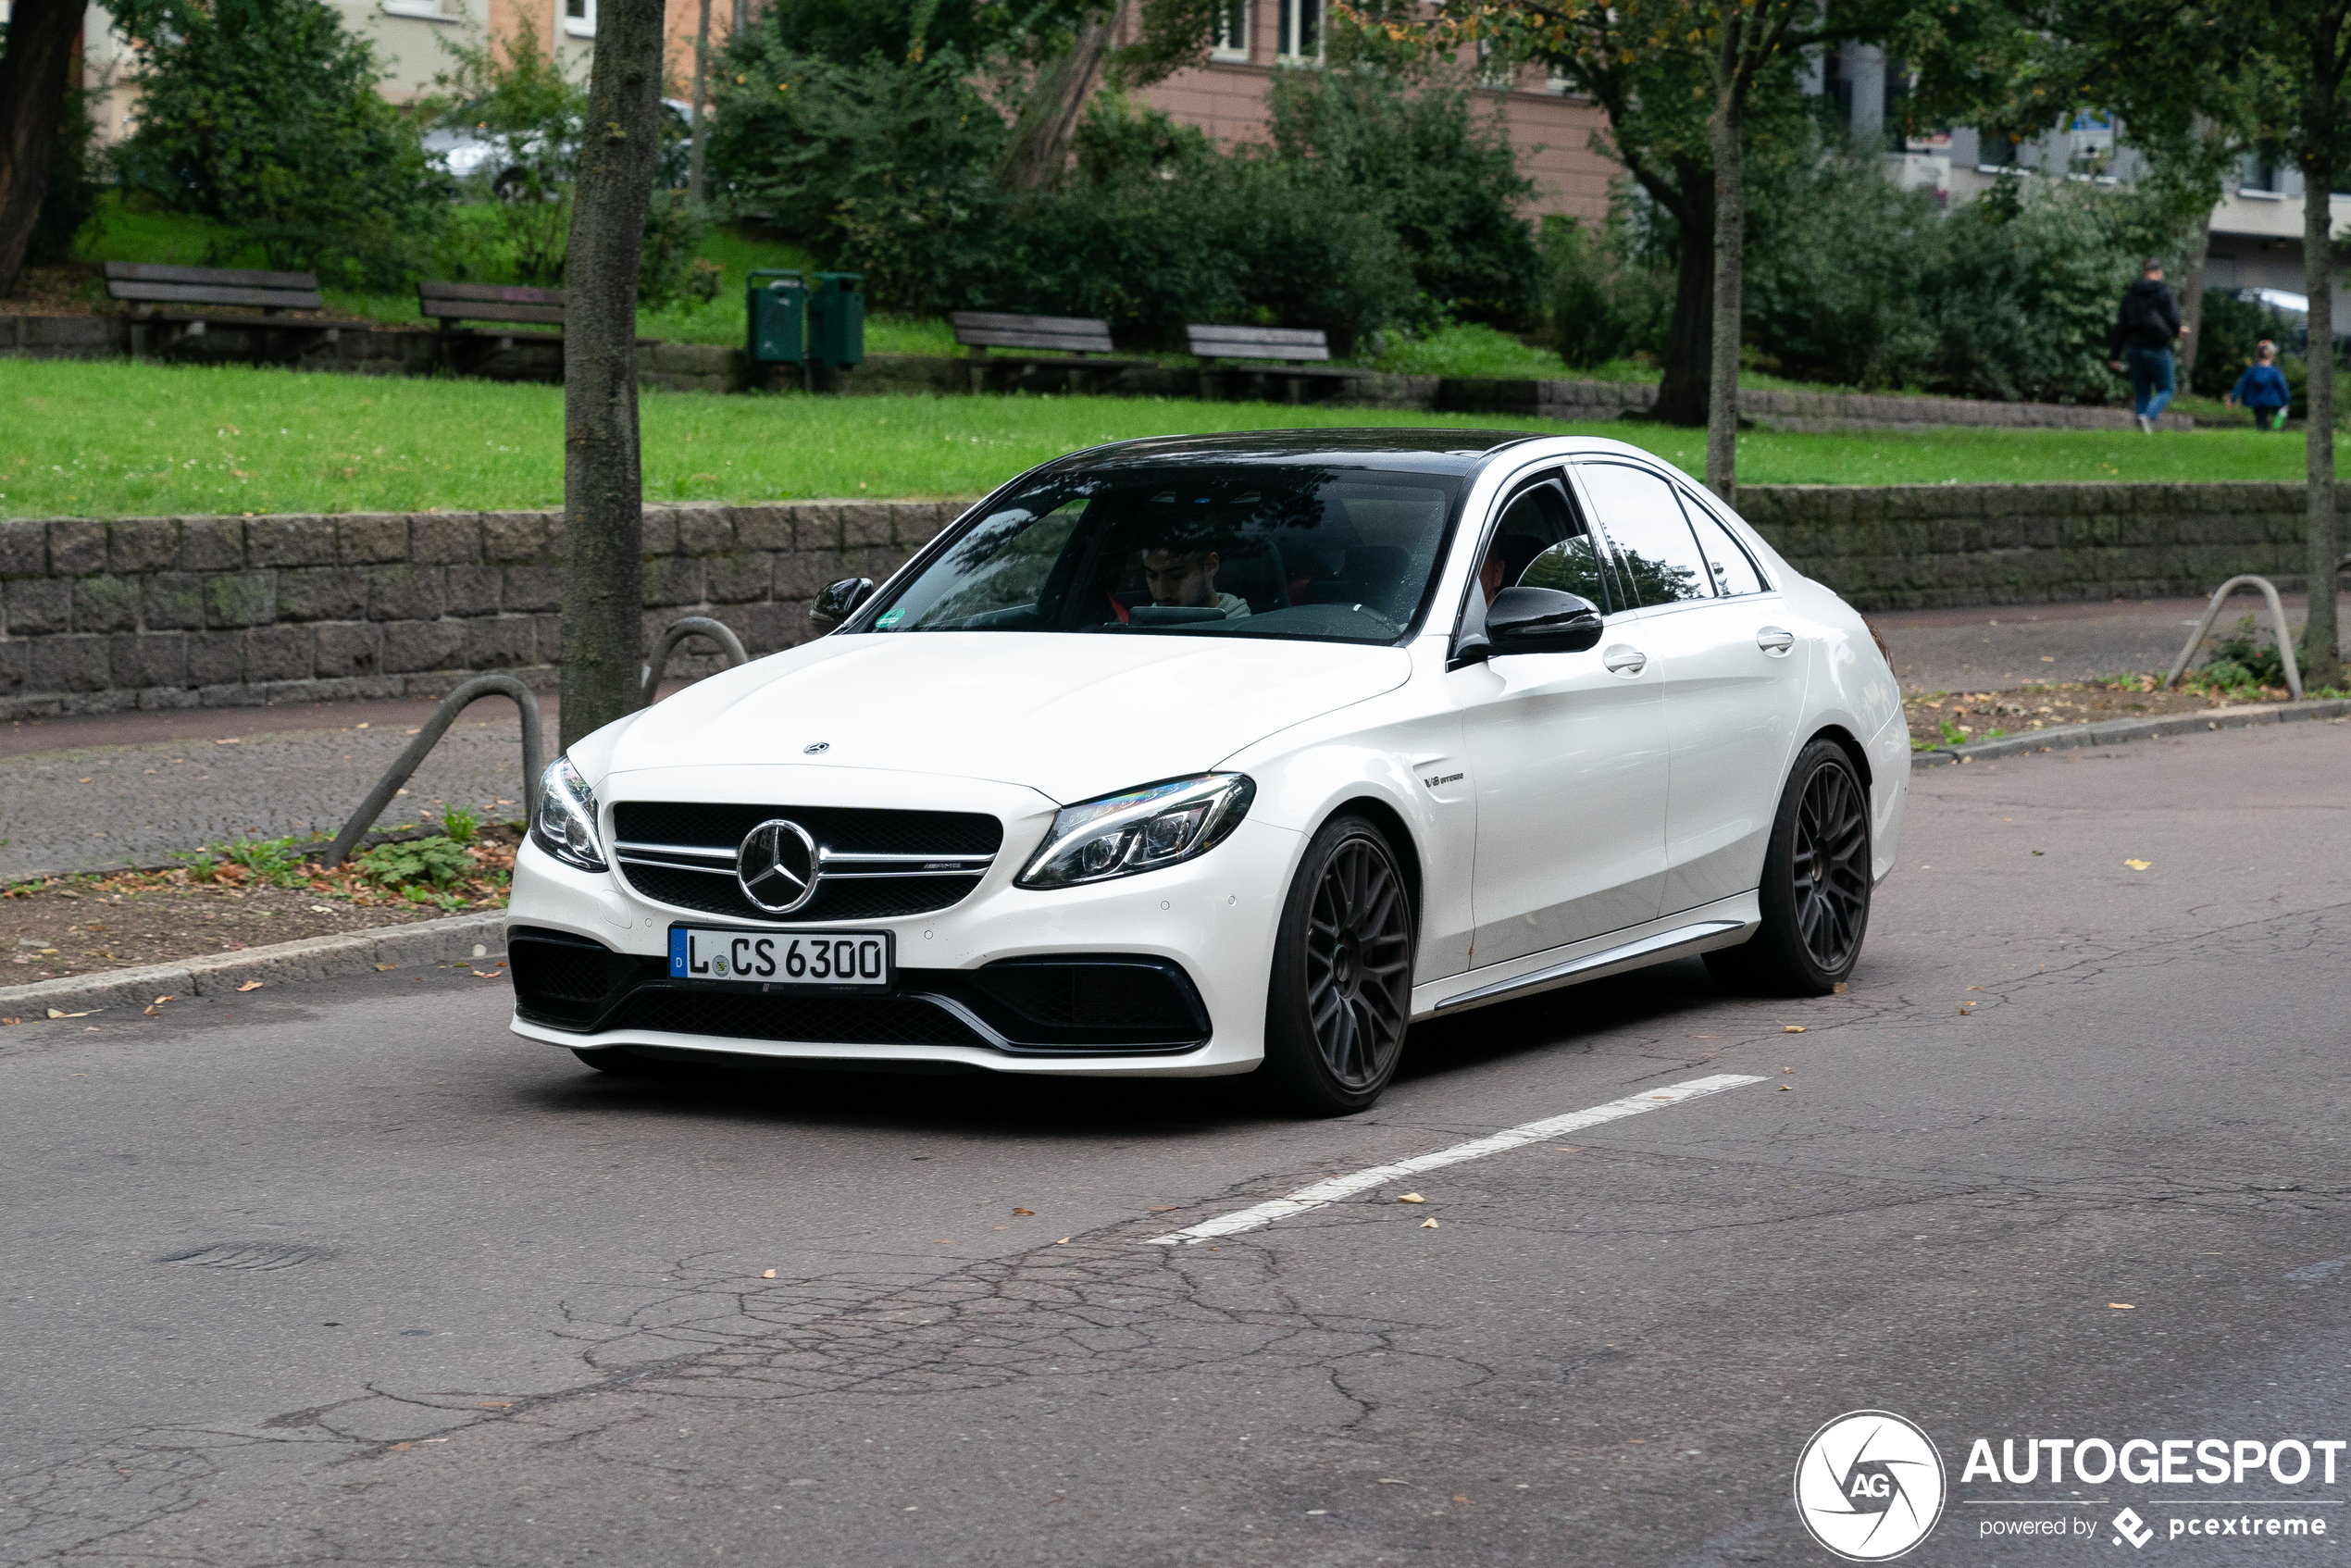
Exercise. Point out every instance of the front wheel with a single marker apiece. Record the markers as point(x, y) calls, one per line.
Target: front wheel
point(1342, 985)
point(1815, 894)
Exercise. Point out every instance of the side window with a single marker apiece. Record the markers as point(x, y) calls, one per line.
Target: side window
point(1734, 571)
point(1541, 542)
point(1655, 551)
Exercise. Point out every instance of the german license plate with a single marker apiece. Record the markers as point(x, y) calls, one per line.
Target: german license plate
point(769, 959)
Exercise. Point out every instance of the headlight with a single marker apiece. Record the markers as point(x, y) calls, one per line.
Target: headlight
point(564, 823)
point(1140, 830)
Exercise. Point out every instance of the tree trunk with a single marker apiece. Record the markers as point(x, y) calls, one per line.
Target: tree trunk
point(2323, 664)
point(1690, 336)
point(1730, 241)
point(2191, 301)
point(33, 97)
point(603, 487)
point(702, 117)
point(1039, 145)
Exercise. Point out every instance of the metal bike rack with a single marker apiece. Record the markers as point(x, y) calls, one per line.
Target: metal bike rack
point(2277, 616)
point(534, 756)
point(680, 630)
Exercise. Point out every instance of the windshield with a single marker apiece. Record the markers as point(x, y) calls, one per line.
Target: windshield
point(1309, 551)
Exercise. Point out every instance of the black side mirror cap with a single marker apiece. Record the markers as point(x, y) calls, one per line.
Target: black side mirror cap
point(838, 601)
point(1541, 620)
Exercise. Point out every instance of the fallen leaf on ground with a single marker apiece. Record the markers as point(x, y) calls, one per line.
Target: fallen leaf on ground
point(1167, 1209)
point(1063, 1242)
point(497, 1404)
point(1429, 1223)
point(251, 985)
point(1791, 1028)
point(1411, 1197)
point(2139, 864)
point(769, 1275)
point(1030, 1212)
point(238, 741)
point(1458, 1497)
point(1839, 988)
point(1784, 1087)
point(2123, 1306)
point(398, 1447)
point(386, 968)
point(1392, 1481)
point(54, 1013)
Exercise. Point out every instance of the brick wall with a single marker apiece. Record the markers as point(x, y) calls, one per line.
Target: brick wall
point(184, 612)
point(219, 612)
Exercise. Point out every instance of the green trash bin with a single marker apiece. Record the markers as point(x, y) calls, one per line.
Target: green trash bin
point(776, 314)
point(837, 321)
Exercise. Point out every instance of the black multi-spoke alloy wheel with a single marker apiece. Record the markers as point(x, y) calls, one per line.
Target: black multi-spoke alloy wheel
point(1816, 884)
point(1342, 985)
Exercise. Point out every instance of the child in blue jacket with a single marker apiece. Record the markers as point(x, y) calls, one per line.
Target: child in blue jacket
point(2263, 391)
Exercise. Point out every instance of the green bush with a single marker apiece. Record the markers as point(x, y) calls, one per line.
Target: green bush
point(515, 223)
point(1599, 304)
point(268, 116)
point(438, 862)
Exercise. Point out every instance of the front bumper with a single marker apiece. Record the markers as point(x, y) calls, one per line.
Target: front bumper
point(1163, 973)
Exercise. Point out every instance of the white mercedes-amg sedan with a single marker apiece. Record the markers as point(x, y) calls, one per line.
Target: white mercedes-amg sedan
point(1231, 755)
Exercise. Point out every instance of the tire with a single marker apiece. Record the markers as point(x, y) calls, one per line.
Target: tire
point(1815, 893)
point(1341, 993)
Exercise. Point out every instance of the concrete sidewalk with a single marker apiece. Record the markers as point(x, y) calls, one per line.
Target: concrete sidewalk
point(86, 793)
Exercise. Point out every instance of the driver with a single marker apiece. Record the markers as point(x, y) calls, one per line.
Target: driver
point(1187, 578)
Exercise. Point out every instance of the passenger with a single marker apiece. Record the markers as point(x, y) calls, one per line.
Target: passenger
point(1188, 579)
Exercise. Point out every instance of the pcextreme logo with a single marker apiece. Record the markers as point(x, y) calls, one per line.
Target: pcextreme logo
point(1869, 1486)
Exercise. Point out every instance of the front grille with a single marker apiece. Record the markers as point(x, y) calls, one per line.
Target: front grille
point(873, 867)
point(843, 829)
point(824, 1020)
point(720, 894)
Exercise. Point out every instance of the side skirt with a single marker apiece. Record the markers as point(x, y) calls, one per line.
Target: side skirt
point(1724, 923)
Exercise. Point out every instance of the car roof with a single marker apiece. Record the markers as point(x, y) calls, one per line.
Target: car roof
point(1422, 451)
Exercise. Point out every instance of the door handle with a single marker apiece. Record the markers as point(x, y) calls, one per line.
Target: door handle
point(1775, 640)
point(1622, 660)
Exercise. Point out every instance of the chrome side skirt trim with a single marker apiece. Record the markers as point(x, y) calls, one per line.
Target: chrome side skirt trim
point(1696, 937)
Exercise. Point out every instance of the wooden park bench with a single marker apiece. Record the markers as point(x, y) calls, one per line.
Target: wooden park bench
point(1304, 351)
point(146, 287)
point(460, 348)
point(1060, 340)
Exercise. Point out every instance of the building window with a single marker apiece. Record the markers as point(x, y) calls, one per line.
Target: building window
point(1231, 41)
point(1300, 30)
point(580, 18)
point(2258, 172)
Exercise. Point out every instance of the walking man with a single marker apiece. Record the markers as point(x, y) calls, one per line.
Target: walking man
point(2144, 329)
point(2262, 389)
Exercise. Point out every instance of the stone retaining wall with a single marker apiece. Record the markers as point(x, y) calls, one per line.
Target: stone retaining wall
point(227, 612)
point(387, 351)
point(183, 611)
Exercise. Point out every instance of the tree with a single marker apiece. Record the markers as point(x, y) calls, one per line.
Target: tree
point(34, 77)
point(603, 477)
point(270, 116)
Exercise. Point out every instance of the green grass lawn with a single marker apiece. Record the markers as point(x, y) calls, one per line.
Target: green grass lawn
point(114, 439)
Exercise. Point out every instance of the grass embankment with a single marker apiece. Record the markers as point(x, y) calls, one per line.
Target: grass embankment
point(115, 439)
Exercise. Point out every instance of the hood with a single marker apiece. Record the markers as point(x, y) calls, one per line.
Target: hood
point(1070, 716)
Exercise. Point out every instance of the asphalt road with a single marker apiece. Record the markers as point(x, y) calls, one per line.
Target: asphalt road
point(524, 1314)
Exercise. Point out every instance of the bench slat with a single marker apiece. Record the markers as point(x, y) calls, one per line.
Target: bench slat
point(466, 310)
point(502, 294)
point(993, 322)
point(1073, 345)
point(217, 277)
point(186, 293)
point(1258, 342)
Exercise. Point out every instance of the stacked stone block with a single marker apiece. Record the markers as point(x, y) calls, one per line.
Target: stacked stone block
point(186, 612)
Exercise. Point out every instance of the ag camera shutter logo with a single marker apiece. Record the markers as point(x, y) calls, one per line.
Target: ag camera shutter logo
point(1869, 1486)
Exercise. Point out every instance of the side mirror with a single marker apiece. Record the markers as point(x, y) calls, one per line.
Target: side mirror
point(1540, 620)
point(839, 601)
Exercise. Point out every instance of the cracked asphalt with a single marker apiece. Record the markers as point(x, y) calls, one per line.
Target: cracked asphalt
point(496, 1308)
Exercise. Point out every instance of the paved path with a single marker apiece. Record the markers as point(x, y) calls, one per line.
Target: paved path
point(2068, 1158)
point(2005, 646)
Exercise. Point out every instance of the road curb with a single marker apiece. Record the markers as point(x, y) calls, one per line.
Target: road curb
point(448, 941)
point(2118, 731)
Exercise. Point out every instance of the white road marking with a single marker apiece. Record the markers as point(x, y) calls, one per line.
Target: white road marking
point(1326, 1192)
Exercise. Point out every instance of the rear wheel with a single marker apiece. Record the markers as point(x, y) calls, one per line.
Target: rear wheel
point(1342, 985)
point(1815, 893)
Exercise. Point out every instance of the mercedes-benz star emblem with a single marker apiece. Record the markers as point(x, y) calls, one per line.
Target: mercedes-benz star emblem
point(778, 867)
